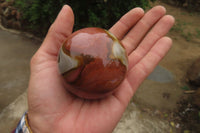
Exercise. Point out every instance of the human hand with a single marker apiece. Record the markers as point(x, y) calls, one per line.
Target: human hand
point(53, 109)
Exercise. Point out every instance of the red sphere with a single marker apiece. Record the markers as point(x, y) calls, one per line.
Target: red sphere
point(93, 63)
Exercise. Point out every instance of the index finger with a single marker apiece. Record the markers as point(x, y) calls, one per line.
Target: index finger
point(126, 22)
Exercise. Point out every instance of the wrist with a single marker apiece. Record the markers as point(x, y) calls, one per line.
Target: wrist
point(35, 123)
point(38, 124)
point(23, 125)
point(32, 124)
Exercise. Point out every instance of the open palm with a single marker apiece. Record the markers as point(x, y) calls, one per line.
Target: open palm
point(53, 109)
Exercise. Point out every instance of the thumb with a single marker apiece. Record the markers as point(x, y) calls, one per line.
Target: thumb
point(59, 31)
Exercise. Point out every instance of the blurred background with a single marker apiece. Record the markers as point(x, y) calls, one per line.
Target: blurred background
point(168, 101)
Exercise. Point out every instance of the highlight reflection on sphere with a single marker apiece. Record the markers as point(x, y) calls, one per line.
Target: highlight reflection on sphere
point(93, 63)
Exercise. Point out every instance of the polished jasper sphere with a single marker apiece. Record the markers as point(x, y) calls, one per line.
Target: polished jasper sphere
point(92, 62)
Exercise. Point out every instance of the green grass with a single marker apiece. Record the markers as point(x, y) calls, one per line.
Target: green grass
point(188, 36)
point(185, 88)
point(177, 27)
point(198, 33)
point(180, 27)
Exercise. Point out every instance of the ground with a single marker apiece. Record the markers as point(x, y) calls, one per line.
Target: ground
point(15, 53)
point(154, 107)
point(162, 94)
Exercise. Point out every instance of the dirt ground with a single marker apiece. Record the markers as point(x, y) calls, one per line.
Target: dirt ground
point(170, 98)
point(15, 54)
point(186, 39)
point(166, 102)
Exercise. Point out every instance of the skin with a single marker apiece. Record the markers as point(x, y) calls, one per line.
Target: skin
point(53, 109)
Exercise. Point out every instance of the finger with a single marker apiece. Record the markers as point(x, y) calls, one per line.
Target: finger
point(140, 71)
point(126, 22)
point(124, 93)
point(158, 31)
point(135, 35)
point(59, 30)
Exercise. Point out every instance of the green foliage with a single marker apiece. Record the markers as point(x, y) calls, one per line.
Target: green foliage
point(185, 88)
point(188, 36)
point(38, 15)
point(183, 28)
point(191, 5)
point(198, 33)
point(199, 114)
